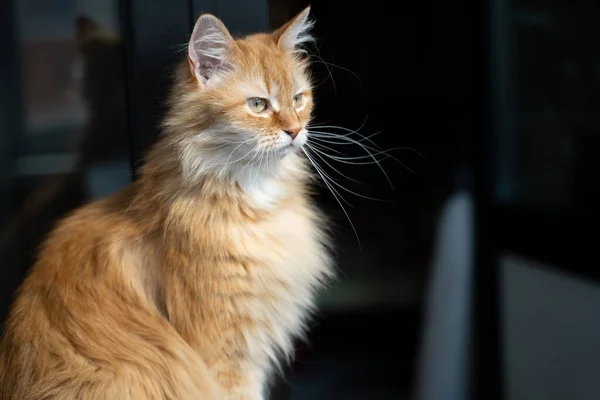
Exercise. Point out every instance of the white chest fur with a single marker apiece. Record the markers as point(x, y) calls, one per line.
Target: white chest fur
point(265, 193)
point(292, 263)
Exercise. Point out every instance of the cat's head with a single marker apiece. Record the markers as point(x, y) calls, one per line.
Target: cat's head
point(242, 106)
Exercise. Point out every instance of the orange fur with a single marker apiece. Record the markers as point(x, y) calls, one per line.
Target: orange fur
point(192, 282)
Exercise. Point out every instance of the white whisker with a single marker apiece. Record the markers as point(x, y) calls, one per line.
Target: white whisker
point(324, 147)
point(326, 125)
point(262, 156)
point(233, 151)
point(350, 191)
point(336, 198)
point(366, 149)
point(325, 161)
point(336, 136)
point(329, 72)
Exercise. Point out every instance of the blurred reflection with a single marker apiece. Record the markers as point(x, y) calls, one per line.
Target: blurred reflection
point(102, 87)
point(553, 98)
point(74, 144)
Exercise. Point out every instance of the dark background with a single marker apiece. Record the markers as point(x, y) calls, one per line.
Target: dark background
point(494, 100)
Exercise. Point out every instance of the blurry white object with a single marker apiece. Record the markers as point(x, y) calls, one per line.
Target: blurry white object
point(551, 332)
point(444, 359)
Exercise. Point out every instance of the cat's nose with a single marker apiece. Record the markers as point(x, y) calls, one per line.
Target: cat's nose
point(293, 132)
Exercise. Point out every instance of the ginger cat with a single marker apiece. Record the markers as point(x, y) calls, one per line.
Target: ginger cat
point(192, 282)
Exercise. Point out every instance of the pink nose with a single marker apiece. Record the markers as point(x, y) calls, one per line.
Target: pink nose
point(293, 132)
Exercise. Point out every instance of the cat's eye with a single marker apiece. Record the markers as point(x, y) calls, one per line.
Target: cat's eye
point(298, 100)
point(257, 104)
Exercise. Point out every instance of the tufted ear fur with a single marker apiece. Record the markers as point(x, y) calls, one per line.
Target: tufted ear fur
point(209, 50)
point(292, 35)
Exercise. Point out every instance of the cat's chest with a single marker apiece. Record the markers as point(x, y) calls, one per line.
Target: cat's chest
point(288, 248)
point(289, 258)
point(282, 263)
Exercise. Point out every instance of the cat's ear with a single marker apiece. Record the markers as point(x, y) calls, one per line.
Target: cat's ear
point(292, 35)
point(209, 49)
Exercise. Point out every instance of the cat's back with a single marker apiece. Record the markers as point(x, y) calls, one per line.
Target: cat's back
point(78, 248)
point(78, 259)
point(85, 311)
point(73, 256)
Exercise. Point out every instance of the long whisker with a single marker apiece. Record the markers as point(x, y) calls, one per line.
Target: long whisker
point(254, 158)
point(233, 151)
point(388, 155)
point(320, 141)
point(336, 136)
point(327, 125)
point(363, 138)
point(269, 166)
point(366, 138)
point(221, 141)
point(323, 147)
point(252, 150)
point(328, 71)
point(345, 161)
point(336, 198)
point(375, 153)
point(349, 132)
point(316, 152)
point(340, 67)
point(329, 180)
point(262, 156)
point(358, 162)
point(366, 148)
point(350, 191)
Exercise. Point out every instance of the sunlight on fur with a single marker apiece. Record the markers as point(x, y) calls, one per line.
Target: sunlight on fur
point(193, 282)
